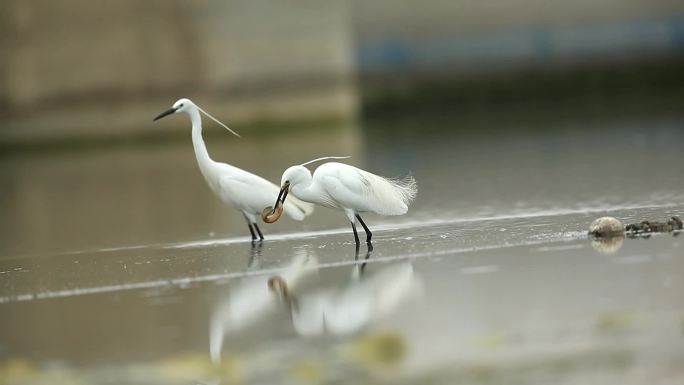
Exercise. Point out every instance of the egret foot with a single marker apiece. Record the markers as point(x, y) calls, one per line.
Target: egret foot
point(256, 227)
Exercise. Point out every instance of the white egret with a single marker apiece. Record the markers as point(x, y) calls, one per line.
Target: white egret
point(245, 191)
point(347, 188)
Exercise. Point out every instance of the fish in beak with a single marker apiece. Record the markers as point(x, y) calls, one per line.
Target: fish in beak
point(272, 214)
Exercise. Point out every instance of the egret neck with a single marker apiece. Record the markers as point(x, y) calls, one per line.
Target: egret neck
point(204, 162)
point(309, 191)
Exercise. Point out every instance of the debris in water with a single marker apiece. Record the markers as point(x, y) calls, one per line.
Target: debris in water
point(610, 227)
point(606, 227)
point(645, 227)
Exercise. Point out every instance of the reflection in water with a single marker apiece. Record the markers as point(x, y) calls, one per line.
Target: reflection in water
point(346, 310)
point(561, 317)
point(608, 245)
point(251, 300)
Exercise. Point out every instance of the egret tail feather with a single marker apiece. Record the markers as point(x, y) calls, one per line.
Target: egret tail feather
point(389, 196)
point(407, 188)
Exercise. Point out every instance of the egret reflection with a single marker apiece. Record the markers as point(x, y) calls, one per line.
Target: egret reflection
point(251, 300)
point(346, 310)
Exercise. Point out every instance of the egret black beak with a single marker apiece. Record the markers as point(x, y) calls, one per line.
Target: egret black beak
point(282, 195)
point(272, 214)
point(163, 114)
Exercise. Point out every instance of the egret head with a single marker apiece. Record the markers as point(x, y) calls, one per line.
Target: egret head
point(291, 177)
point(182, 105)
point(295, 175)
point(187, 106)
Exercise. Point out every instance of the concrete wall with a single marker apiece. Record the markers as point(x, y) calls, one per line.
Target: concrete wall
point(84, 68)
point(76, 68)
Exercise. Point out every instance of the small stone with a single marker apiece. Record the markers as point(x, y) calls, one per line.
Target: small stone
point(606, 227)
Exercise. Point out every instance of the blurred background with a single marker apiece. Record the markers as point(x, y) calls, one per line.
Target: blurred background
point(449, 90)
point(521, 121)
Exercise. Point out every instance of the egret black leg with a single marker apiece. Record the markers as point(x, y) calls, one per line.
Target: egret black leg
point(369, 235)
point(356, 238)
point(251, 230)
point(261, 236)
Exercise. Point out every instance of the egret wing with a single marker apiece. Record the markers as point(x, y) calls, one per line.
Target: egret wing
point(247, 192)
point(253, 193)
point(364, 191)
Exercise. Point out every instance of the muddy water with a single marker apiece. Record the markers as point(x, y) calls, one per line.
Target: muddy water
point(119, 266)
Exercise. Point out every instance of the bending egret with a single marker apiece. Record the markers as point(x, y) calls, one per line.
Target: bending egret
point(344, 187)
point(244, 191)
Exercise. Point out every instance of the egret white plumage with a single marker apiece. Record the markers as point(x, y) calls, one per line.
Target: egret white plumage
point(245, 191)
point(347, 188)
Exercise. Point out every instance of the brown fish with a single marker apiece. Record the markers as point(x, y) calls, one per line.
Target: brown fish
point(271, 215)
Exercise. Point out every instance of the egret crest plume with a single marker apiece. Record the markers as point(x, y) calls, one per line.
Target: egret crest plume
point(324, 158)
point(217, 121)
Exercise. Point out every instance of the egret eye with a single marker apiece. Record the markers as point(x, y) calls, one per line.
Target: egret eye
point(181, 105)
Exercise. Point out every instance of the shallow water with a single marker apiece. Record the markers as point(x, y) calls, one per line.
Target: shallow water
point(117, 265)
point(476, 300)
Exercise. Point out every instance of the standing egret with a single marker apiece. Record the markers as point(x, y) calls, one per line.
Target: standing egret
point(245, 191)
point(347, 188)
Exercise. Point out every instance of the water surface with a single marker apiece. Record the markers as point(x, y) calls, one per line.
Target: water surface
point(117, 265)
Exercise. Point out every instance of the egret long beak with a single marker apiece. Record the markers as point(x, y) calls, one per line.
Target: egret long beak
point(163, 114)
point(283, 194)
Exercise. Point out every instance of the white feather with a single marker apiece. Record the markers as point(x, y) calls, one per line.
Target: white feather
point(348, 187)
point(217, 121)
point(389, 196)
point(324, 158)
